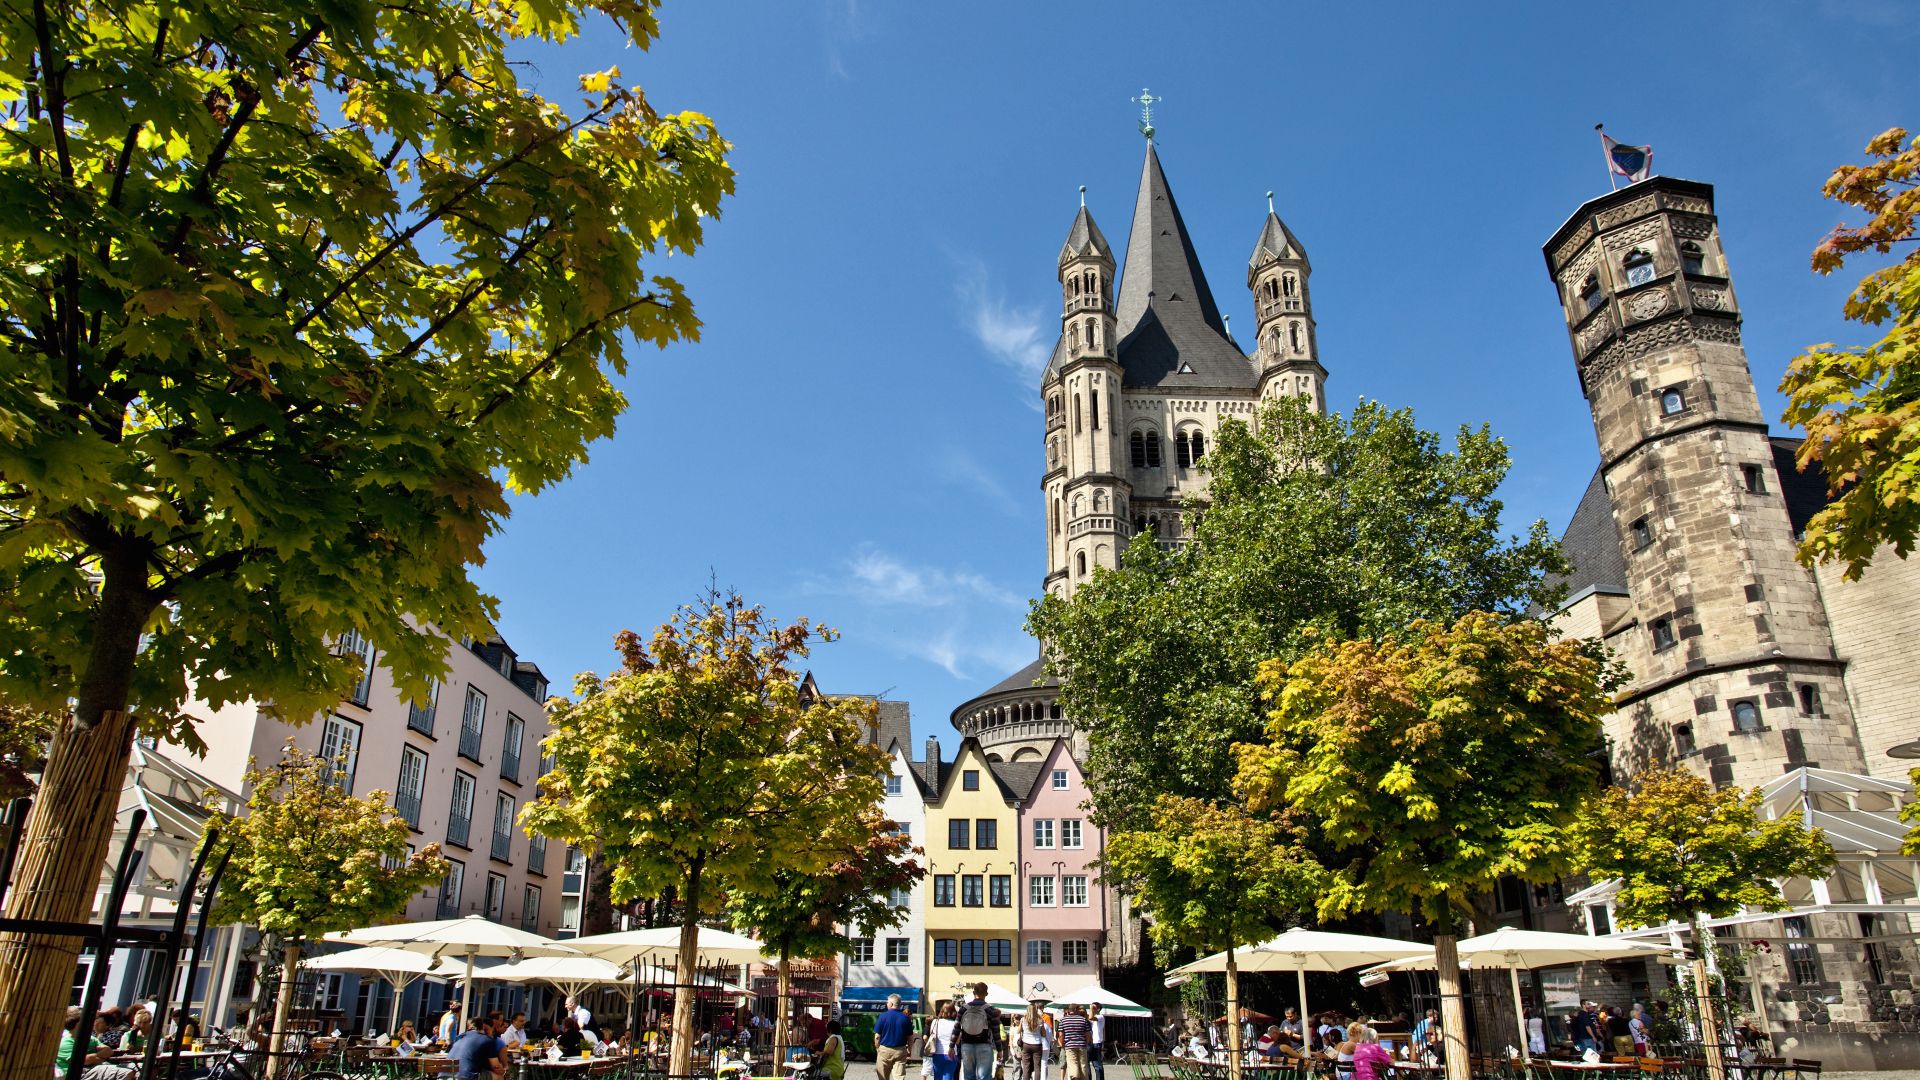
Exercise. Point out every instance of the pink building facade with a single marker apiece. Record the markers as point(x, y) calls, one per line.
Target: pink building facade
point(1063, 906)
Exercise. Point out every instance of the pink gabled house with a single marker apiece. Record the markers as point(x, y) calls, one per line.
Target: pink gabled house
point(1063, 906)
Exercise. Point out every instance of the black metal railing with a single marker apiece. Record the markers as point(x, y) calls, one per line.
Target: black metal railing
point(459, 826)
point(408, 804)
point(420, 719)
point(510, 764)
point(469, 742)
point(502, 846)
point(537, 855)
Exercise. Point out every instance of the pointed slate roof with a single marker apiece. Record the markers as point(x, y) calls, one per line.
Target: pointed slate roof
point(1084, 238)
point(1591, 544)
point(1276, 242)
point(1171, 333)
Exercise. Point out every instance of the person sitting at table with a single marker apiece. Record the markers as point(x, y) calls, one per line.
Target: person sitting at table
point(571, 1041)
point(477, 1053)
point(139, 1032)
point(1340, 1050)
point(1370, 1060)
point(833, 1053)
point(406, 1036)
point(516, 1033)
point(97, 1056)
point(1273, 1044)
point(185, 1030)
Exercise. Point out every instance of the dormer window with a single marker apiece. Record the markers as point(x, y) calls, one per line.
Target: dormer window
point(1638, 266)
point(1590, 293)
point(1693, 260)
point(1673, 401)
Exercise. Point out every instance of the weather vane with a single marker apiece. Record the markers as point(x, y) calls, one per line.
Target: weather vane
point(1147, 102)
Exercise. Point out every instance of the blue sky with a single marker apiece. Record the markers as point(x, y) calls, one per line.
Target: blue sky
point(856, 438)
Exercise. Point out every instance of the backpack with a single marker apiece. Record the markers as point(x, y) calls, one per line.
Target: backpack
point(975, 1016)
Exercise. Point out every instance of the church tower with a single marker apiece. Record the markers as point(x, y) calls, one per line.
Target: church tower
point(1285, 350)
point(1086, 496)
point(1734, 667)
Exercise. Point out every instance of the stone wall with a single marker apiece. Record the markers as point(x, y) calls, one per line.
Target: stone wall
point(1876, 622)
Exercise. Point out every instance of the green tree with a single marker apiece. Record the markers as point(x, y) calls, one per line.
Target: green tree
point(24, 733)
point(1911, 813)
point(1685, 852)
point(809, 914)
point(290, 295)
point(1433, 767)
point(1353, 527)
point(1860, 406)
point(1213, 877)
point(308, 859)
point(700, 768)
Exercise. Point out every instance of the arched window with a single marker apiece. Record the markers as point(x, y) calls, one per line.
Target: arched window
point(1293, 333)
point(1093, 339)
point(1056, 517)
point(1673, 401)
point(1140, 524)
point(1076, 414)
point(1073, 287)
point(1079, 507)
point(1180, 452)
point(1153, 449)
point(1137, 447)
point(1099, 502)
point(1093, 408)
point(1199, 446)
point(1692, 259)
point(1073, 336)
point(1590, 292)
point(1638, 266)
point(1080, 563)
point(1277, 346)
point(1291, 285)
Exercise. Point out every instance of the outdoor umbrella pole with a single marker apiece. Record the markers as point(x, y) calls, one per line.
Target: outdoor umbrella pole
point(399, 988)
point(1306, 1021)
point(1519, 1014)
point(466, 993)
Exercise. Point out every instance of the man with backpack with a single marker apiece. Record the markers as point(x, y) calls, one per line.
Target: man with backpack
point(979, 1023)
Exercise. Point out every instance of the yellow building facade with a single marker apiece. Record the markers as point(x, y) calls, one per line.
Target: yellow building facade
point(973, 848)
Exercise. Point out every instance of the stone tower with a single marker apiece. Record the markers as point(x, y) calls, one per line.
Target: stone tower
point(1733, 663)
point(1285, 349)
point(1086, 506)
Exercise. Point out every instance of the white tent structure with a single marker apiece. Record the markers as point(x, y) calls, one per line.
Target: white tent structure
point(1300, 950)
point(1110, 1003)
point(1514, 949)
point(397, 966)
point(470, 937)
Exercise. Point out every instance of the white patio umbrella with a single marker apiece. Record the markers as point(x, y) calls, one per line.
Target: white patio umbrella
point(1110, 1003)
point(662, 943)
point(469, 937)
point(1300, 950)
point(571, 974)
point(396, 966)
point(1514, 949)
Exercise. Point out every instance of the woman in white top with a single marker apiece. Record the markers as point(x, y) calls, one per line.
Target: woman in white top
point(1536, 1032)
point(1033, 1038)
point(943, 1049)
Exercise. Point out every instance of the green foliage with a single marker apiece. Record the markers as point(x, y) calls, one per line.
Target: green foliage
point(1861, 405)
point(308, 858)
point(1435, 765)
point(1312, 525)
point(1683, 849)
point(806, 913)
point(701, 756)
point(1212, 876)
point(24, 733)
point(1911, 813)
point(289, 295)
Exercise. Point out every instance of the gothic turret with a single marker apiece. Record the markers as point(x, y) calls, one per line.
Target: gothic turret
point(1086, 500)
point(1285, 351)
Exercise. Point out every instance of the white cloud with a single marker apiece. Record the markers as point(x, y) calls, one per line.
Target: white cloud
point(1015, 337)
point(881, 578)
point(846, 24)
point(953, 618)
point(955, 466)
point(966, 655)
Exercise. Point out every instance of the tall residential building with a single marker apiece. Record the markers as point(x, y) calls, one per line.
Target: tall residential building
point(973, 863)
point(1746, 667)
point(892, 960)
point(1063, 905)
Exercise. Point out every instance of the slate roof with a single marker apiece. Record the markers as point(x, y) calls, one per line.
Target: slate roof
point(1017, 777)
point(1024, 679)
point(895, 727)
point(1805, 492)
point(1276, 242)
point(1171, 333)
point(1592, 544)
point(1084, 238)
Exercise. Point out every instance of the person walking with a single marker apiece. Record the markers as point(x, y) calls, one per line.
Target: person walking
point(1586, 1028)
point(1096, 1053)
point(1032, 1042)
point(1076, 1037)
point(943, 1049)
point(977, 1022)
point(892, 1031)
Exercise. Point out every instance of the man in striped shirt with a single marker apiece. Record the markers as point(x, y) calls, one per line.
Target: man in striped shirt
point(1075, 1033)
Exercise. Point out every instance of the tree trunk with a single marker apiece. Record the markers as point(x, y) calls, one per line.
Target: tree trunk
point(65, 846)
point(1233, 1016)
point(1703, 1001)
point(782, 1023)
point(1453, 1013)
point(283, 1002)
point(680, 1054)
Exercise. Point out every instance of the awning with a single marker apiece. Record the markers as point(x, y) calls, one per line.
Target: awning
point(874, 998)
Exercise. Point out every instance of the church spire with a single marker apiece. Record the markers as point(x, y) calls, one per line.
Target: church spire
point(1162, 269)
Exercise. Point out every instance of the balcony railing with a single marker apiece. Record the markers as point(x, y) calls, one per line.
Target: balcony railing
point(537, 855)
point(419, 719)
point(469, 743)
point(530, 920)
point(510, 764)
point(502, 846)
point(408, 804)
point(458, 825)
point(449, 906)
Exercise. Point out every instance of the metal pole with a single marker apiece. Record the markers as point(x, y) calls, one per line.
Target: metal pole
point(1306, 1021)
point(103, 950)
point(176, 940)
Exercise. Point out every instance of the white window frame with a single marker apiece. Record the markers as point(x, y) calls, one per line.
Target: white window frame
point(1040, 891)
point(1070, 886)
point(341, 740)
point(1039, 952)
point(418, 790)
point(862, 950)
point(894, 784)
point(473, 715)
point(353, 643)
point(1059, 779)
point(496, 900)
point(451, 887)
point(530, 908)
point(464, 807)
point(1043, 834)
point(1072, 835)
point(1078, 945)
point(899, 947)
point(503, 811)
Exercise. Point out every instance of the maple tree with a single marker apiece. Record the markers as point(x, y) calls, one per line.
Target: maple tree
point(1354, 526)
point(1432, 767)
point(290, 296)
point(23, 747)
point(1213, 877)
point(700, 768)
point(1684, 851)
point(308, 858)
point(809, 914)
point(1860, 406)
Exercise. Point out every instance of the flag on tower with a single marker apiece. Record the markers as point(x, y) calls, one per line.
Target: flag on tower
point(1633, 162)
